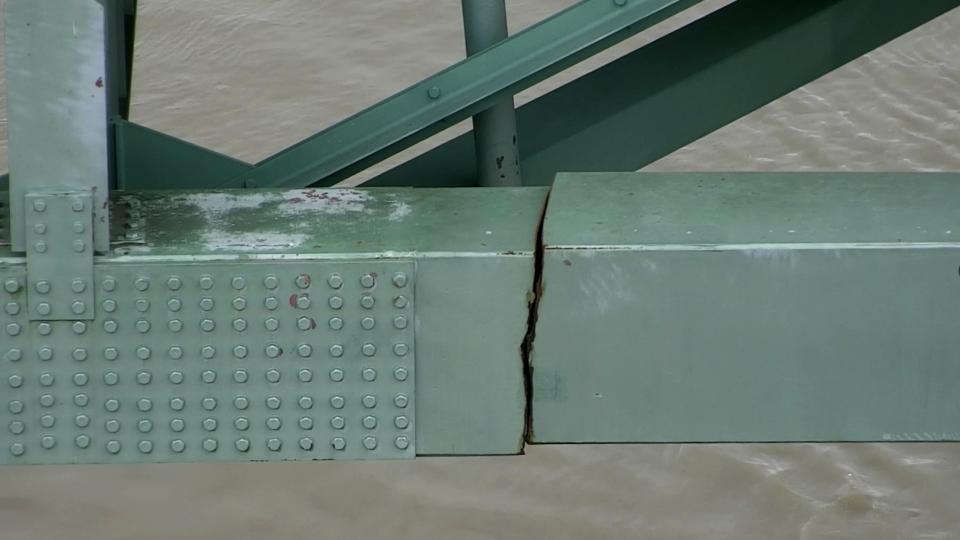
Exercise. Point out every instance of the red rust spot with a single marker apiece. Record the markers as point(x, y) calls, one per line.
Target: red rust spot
point(293, 300)
point(306, 279)
point(313, 324)
point(99, 82)
point(296, 200)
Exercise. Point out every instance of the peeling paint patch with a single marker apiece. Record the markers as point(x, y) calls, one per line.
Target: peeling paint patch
point(336, 202)
point(218, 240)
point(399, 211)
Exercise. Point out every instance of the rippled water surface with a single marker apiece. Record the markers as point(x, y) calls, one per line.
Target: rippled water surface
point(248, 77)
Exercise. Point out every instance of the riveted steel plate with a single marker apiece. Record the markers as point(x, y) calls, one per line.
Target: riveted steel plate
point(59, 232)
point(280, 360)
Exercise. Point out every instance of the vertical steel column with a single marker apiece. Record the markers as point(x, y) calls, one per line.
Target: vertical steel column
point(495, 129)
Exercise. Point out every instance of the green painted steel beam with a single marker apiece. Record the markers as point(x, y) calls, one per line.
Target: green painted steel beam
point(681, 87)
point(149, 159)
point(464, 89)
point(749, 307)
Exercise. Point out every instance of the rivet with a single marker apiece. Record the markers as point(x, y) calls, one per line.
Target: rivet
point(338, 422)
point(145, 426)
point(336, 375)
point(177, 404)
point(175, 352)
point(271, 324)
point(369, 401)
point(142, 305)
point(11, 286)
point(240, 376)
point(112, 426)
point(400, 279)
point(271, 282)
point(273, 402)
point(335, 281)
point(109, 284)
point(174, 283)
point(79, 327)
point(47, 379)
point(273, 423)
point(206, 282)
point(305, 402)
point(80, 379)
point(400, 302)
point(109, 306)
point(370, 443)
point(14, 355)
point(174, 304)
point(208, 351)
point(144, 404)
point(143, 353)
point(304, 350)
point(44, 329)
point(271, 303)
point(305, 375)
point(273, 376)
point(367, 302)
point(336, 351)
point(111, 405)
point(401, 442)
point(48, 442)
point(306, 443)
point(209, 424)
point(369, 375)
point(303, 302)
point(81, 400)
point(367, 323)
point(241, 403)
point(305, 422)
point(177, 425)
point(77, 205)
point(241, 423)
point(17, 449)
point(141, 284)
point(336, 323)
point(239, 303)
point(81, 421)
point(40, 247)
point(175, 325)
point(14, 329)
point(400, 322)
point(238, 283)
point(109, 353)
point(272, 351)
point(302, 281)
point(337, 402)
point(143, 326)
point(369, 422)
point(401, 401)
point(274, 445)
point(338, 443)
point(242, 445)
point(304, 323)
point(239, 325)
point(335, 302)
point(240, 351)
point(113, 447)
point(15, 381)
point(45, 353)
point(368, 349)
point(210, 445)
point(401, 349)
point(15, 406)
point(12, 308)
point(178, 446)
point(17, 427)
point(402, 422)
point(82, 441)
point(44, 308)
point(145, 446)
point(434, 92)
point(176, 377)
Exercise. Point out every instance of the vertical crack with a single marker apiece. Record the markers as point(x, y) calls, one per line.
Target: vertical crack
point(526, 349)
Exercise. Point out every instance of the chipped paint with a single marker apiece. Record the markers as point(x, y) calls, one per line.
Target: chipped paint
point(400, 210)
point(218, 240)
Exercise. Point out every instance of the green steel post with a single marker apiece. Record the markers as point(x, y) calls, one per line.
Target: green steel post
point(495, 129)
